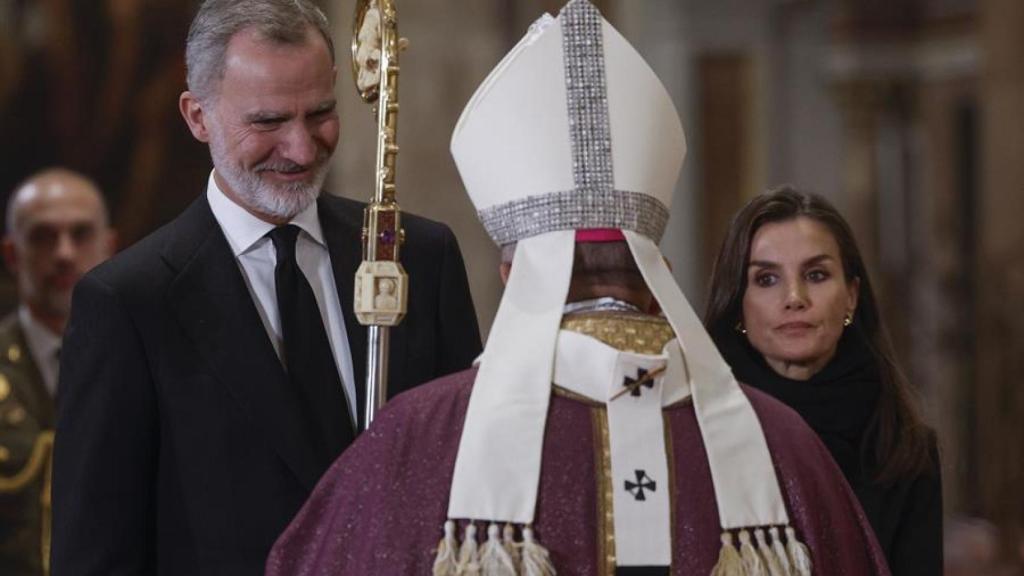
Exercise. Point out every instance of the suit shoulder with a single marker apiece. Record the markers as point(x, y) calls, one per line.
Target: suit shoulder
point(143, 263)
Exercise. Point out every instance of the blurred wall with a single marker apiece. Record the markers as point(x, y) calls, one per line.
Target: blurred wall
point(93, 86)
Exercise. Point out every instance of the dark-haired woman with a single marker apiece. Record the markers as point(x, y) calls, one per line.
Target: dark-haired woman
point(793, 312)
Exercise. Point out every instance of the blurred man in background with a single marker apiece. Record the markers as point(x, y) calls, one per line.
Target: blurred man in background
point(57, 230)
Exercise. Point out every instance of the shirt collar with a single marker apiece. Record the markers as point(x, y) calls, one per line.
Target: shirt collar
point(38, 337)
point(244, 231)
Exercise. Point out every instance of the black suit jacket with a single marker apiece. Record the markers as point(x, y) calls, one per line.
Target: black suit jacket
point(179, 450)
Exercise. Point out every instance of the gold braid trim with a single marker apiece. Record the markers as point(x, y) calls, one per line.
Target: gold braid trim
point(36, 462)
point(46, 503)
point(605, 497)
point(39, 464)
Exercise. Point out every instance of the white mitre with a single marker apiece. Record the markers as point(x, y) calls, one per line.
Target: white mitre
point(571, 131)
point(534, 144)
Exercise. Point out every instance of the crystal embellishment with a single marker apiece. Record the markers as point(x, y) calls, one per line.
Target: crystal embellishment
point(594, 203)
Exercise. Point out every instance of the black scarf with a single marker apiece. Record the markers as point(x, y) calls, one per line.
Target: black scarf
point(837, 402)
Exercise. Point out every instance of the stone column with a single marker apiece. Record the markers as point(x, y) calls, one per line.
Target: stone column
point(999, 278)
point(860, 102)
point(941, 305)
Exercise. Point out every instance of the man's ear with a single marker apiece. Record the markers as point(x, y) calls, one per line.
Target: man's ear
point(10, 255)
point(504, 269)
point(195, 116)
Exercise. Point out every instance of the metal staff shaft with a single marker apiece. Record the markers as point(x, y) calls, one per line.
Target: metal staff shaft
point(376, 370)
point(381, 283)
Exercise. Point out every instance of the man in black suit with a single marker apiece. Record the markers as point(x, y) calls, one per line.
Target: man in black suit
point(192, 425)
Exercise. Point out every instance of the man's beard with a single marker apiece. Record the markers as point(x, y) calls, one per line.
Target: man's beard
point(282, 201)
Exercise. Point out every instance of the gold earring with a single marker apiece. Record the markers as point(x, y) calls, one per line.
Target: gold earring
point(740, 328)
point(848, 320)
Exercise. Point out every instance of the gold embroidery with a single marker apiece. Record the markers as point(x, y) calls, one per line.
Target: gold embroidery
point(46, 502)
point(14, 353)
point(16, 416)
point(39, 458)
point(5, 388)
point(40, 463)
point(671, 462)
point(605, 502)
point(625, 331)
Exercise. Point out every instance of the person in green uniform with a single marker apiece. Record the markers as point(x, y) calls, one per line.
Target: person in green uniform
point(57, 229)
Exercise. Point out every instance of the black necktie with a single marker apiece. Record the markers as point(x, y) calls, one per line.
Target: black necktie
point(307, 352)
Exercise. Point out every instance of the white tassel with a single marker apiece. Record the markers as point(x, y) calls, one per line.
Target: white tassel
point(774, 567)
point(729, 561)
point(752, 563)
point(446, 562)
point(536, 559)
point(780, 551)
point(469, 554)
point(494, 559)
point(511, 546)
point(799, 555)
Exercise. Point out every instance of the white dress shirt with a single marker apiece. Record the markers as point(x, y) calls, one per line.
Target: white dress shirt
point(44, 346)
point(255, 254)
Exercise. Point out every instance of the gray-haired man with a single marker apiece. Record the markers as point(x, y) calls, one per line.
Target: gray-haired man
point(216, 366)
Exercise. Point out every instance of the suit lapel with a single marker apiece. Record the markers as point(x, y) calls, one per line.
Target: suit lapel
point(343, 234)
point(214, 307)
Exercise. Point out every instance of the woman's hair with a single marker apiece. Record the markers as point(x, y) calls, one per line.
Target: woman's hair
point(901, 440)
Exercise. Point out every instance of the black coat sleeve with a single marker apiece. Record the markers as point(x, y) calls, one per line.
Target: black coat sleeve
point(457, 330)
point(916, 548)
point(107, 436)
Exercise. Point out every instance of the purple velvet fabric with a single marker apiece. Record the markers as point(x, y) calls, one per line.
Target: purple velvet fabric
point(381, 507)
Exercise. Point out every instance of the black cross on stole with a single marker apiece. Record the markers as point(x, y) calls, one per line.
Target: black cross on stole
point(643, 482)
point(628, 382)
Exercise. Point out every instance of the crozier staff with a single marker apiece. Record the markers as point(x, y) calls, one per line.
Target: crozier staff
point(381, 282)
